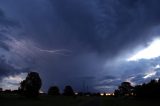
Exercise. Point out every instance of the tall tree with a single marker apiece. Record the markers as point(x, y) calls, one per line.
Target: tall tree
point(125, 89)
point(31, 85)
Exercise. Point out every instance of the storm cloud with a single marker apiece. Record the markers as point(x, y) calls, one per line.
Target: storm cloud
point(72, 42)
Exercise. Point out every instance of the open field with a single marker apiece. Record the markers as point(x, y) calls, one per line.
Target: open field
point(14, 100)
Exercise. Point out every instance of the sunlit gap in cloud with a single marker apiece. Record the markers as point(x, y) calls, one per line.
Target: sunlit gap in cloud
point(12, 81)
point(152, 51)
point(150, 74)
point(130, 80)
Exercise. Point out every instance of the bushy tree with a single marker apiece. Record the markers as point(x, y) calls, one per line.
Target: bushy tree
point(125, 89)
point(68, 91)
point(31, 85)
point(54, 90)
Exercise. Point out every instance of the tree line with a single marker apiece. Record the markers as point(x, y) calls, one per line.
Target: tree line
point(30, 87)
point(145, 90)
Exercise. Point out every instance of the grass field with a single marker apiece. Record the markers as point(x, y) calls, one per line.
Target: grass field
point(13, 100)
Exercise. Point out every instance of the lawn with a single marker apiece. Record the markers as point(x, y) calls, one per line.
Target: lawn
point(14, 100)
point(112, 101)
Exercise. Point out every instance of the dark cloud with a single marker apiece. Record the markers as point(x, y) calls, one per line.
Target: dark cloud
point(5, 22)
point(97, 34)
point(107, 77)
point(7, 69)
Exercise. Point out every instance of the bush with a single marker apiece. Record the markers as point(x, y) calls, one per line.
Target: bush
point(68, 91)
point(54, 90)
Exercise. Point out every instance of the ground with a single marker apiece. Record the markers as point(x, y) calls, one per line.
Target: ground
point(14, 100)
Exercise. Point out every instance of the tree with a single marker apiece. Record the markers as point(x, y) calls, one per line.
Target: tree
point(31, 85)
point(125, 89)
point(54, 90)
point(149, 90)
point(117, 92)
point(1, 89)
point(68, 91)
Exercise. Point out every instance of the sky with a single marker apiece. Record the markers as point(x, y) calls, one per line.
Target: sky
point(92, 45)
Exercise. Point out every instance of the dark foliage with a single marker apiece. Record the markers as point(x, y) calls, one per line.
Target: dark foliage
point(149, 90)
point(125, 89)
point(68, 91)
point(54, 90)
point(7, 91)
point(31, 85)
point(1, 89)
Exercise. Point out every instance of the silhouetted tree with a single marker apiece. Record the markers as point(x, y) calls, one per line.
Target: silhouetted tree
point(125, 89)
point(117, 92)
point(1, 89)
point(15, 91)
point(31, 85)
point(7, 91)
point(54, 90)
point(68, 91)
point(149, 90)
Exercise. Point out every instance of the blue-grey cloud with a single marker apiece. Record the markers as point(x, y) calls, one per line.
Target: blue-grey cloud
point(96, 34)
